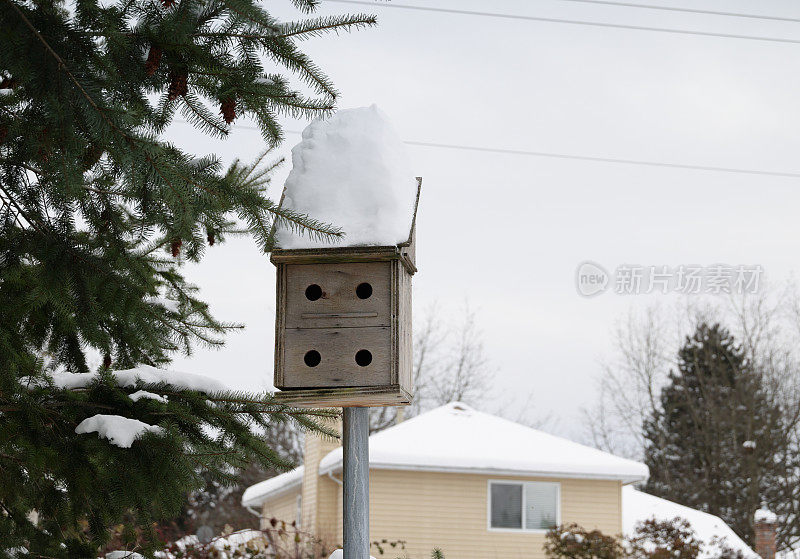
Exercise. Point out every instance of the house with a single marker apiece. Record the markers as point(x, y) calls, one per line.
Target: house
point(475, 485)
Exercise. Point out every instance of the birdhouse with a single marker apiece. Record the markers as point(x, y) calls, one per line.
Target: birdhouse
point(343, 324)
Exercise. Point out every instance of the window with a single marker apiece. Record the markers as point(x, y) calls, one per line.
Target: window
point(530, 505)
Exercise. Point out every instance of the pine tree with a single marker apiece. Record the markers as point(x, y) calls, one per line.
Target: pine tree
point(97, 215)
point(719, 443)
point(216, 505)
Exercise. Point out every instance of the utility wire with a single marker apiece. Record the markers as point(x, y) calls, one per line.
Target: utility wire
point(572, 22)
point(609, 160)
point(554, 155)
point(684, 10)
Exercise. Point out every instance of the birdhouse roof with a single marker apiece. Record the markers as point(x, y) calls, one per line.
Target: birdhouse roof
point(457, 438)
point(404, 251)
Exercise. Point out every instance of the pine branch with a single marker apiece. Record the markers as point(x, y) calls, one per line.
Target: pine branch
point(89, 191)
point(62, 65)
point(198, 114)
point(319, 26)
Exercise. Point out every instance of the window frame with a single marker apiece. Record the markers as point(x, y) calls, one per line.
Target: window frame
point(491, 482)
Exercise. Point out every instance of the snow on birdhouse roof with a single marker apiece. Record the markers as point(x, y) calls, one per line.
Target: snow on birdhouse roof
point(255, 495)
point(351, 171)
point(638, 506)
point(457, 438)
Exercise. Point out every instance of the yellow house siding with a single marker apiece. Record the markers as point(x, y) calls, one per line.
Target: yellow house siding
point(283, 507)
point(317, 491)
point(592, 504)
point(310, 486)
point(449, 511)
point(327, 512)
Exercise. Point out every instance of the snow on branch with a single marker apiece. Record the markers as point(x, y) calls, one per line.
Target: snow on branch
point(142, 374)
point(120, 431)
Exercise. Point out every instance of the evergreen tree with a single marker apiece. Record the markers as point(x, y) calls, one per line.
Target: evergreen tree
point(719, 443)
point(217, 505)
point(97, 214)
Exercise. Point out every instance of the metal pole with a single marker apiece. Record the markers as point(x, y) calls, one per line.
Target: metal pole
point(356, 483)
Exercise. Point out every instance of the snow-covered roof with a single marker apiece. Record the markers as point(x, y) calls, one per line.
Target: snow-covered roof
point(638, 506)
point(457, 438)
point(255, 495)
point(766, 516)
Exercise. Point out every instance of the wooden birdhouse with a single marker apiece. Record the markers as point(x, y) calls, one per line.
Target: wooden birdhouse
point(343, 324)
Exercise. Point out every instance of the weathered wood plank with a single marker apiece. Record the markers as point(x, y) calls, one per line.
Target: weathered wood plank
point(336, 349)
point(344, 397)
point(343, 255)
point(280, 326)
point(334, 323)
point(405, 342)
point(335, 297)
point(409, 248)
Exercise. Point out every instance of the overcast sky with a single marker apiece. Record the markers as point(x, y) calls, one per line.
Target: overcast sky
point(506, 232)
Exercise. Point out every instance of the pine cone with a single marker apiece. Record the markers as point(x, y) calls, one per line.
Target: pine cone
point(176, 247)
point(177, 84)
point(105, 216)
point(167, 3)
point(9, 83)
point(228, 109)
point(3, 132)
point(106, 361)
point(153, 60)
point(43, 152)
point(211, 238)
point(92, 156)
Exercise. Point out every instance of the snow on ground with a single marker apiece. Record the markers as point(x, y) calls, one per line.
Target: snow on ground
point(123, 555)
point(339, 554)
point(221, 547)
point(457, 438)
point(139, 394)
point(120, 431)
point(143, 374)
point(638, 506)
point(352, 171)
point(791, 552)
point(234, 540)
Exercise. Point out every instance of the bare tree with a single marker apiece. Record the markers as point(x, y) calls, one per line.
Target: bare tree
point(767, 326)
point(464, 373)
point(630, 384)
point(429, 340)
point(646, 345)
point(450, 364)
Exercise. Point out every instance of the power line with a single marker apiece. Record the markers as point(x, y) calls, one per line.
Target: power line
point(596, 159)
point(684, 10)
point(609, 160)
point(572, 22)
